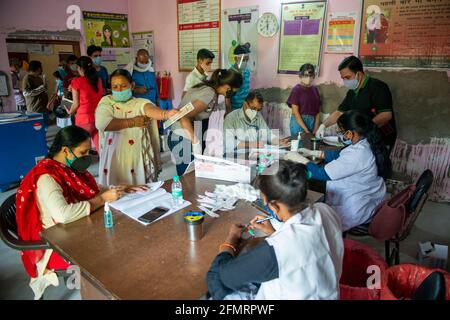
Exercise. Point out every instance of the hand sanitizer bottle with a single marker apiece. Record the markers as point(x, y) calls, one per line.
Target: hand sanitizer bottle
point(108, 216)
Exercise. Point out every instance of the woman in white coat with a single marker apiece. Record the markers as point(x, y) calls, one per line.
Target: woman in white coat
point(300, 260)
point(355, 175)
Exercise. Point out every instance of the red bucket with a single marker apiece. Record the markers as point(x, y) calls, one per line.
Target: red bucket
point(401, 281)
point(353, 283)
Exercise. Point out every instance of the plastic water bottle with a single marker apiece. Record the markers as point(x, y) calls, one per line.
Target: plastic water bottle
point(177, 191)
point(108, 216)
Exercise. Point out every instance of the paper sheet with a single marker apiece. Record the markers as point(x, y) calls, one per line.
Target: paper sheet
point(182, 112)
point(136, 204)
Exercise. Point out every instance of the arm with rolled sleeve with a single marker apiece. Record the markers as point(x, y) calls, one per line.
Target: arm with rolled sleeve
point(228, 274)
point(51, 199)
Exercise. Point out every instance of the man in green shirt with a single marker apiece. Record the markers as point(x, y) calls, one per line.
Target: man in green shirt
point(368, 95)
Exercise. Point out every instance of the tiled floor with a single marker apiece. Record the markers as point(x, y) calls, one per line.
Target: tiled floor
point(432, 225)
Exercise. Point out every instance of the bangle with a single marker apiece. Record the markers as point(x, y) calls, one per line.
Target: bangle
point(228, 246)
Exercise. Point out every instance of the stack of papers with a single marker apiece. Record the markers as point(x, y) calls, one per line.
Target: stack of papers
point(136, 204)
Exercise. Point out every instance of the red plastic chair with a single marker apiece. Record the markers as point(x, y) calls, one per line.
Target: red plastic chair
point(353, 282)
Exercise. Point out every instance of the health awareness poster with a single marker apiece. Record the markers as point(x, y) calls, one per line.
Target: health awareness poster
point(300, 35)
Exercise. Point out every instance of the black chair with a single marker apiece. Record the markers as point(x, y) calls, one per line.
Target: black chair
point(8, 228)
point(8, 232)
point(432, 288)
point(413, 207)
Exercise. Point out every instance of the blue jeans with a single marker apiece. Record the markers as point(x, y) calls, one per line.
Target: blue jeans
point(178, 145)
point(295, 127)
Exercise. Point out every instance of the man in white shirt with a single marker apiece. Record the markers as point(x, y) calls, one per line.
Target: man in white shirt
point(198, 74)
point(245, 128)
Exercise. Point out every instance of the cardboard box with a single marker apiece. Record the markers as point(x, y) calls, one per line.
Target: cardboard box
point(433, 255)
point(221, 169)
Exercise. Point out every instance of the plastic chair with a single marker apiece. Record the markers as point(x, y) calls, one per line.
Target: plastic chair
point(8, 232)
point(8, 228)
point(414, 206)
point(432, 288)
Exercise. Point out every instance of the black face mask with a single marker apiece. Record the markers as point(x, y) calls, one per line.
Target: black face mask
point(80, 164)
point(229, 94)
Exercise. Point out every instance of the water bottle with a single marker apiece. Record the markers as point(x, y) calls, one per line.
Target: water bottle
point(108, 216)
point(177, 191)
point(300, 141)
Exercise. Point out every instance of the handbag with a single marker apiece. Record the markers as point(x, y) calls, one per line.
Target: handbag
point(53, 102)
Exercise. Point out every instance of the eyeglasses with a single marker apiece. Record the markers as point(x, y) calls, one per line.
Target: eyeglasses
point(343, 132)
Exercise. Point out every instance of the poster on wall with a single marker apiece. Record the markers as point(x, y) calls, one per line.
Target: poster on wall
point(341, 32)
point(198, 23)
point(108, 30)
point(238, 28)
point(301, 35)
point(405, 34)
point(116, 58)
point(144, 40)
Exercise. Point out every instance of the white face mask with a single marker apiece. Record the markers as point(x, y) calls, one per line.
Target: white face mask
point(205, 68)
point(306, 80)
point(250, 113)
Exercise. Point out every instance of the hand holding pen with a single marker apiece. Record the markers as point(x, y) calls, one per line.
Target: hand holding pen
point(261, 223)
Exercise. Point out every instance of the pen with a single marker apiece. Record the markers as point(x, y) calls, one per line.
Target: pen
point(262, 220)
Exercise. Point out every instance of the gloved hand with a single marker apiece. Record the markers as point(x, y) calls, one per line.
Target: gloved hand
point(296, 157)
point(320, 131)
point(197, 148)
point(310, 153)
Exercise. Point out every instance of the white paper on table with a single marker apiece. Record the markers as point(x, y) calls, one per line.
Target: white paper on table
point(132, 199)
point(162, 199)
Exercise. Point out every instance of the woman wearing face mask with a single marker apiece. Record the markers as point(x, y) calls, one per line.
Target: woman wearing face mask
point(86, 93)
point(304, 101)
point(59, 189)
point(355, 175)
point(301, 260)
point(129, 152)
point(184, 139)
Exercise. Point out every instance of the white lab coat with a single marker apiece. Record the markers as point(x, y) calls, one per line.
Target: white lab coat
point(355, 188)
point(309, 250)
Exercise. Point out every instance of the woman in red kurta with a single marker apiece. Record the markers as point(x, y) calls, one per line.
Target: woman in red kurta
point(86, 92)
point(59, 189)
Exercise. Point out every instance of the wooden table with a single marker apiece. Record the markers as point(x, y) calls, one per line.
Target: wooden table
point(133, 261)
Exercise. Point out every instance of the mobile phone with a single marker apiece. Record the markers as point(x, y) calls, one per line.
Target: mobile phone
point(153, 214)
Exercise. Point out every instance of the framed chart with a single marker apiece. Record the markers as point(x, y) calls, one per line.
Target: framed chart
point(198, 23)
point(301, 34)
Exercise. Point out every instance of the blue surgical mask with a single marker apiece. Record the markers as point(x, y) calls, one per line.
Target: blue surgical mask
point(267, 208)
point(73, 67)
point(351, 84)
point(344, 140)
point(122, 96)
point(98, 60)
